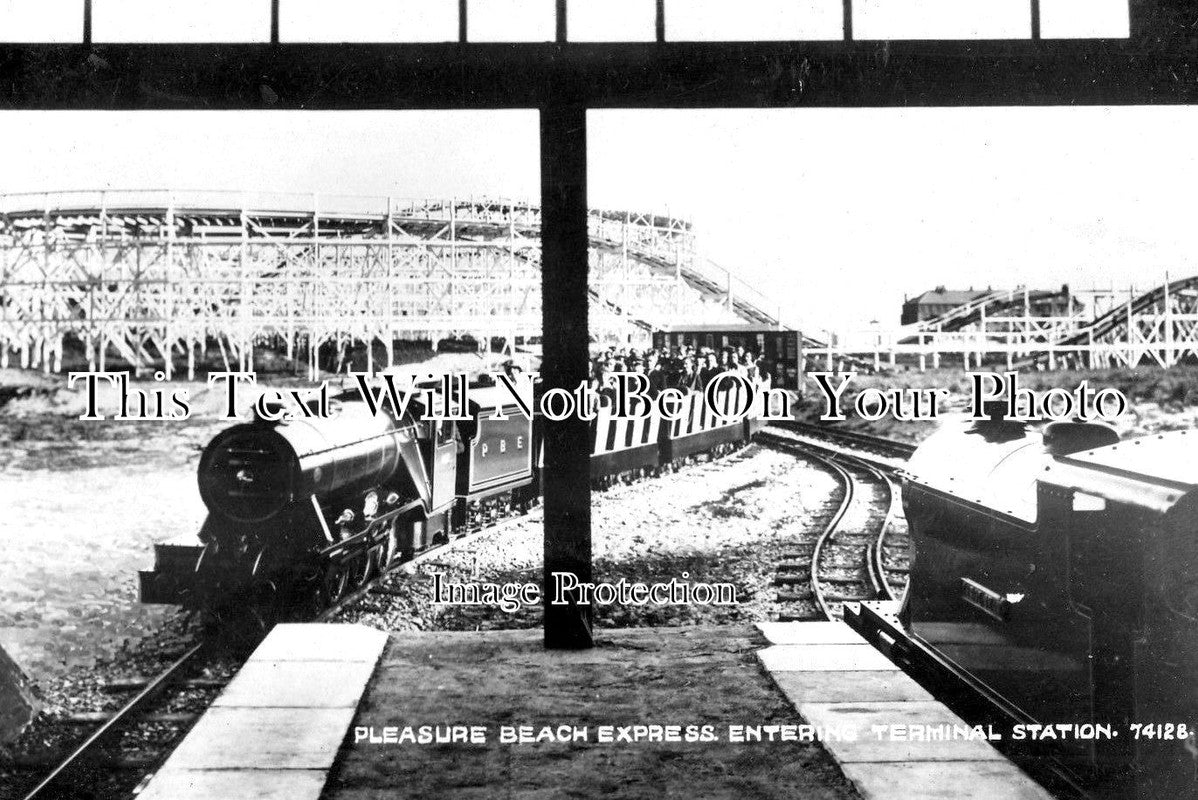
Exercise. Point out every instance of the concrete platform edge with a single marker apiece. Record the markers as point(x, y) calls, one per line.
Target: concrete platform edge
point(248, 743)
point(830, 683)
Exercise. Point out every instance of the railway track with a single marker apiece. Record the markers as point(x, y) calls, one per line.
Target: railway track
point(96, 754)
point(862, 551)
point(77, 774)
point(377, 585)
point(863, 443)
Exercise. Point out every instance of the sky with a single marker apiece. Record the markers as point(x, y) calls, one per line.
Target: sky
point(835, 214)
point(843, 212)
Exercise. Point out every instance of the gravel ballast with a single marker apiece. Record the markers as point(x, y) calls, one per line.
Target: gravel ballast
point(725, 521)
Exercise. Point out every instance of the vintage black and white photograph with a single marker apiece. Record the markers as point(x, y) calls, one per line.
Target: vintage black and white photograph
point(577, 399)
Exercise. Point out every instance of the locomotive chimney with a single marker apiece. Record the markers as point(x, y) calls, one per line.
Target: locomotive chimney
point(996, 427)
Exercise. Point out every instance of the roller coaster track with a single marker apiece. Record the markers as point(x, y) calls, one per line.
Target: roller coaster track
point(172, 271)
point(956, 318)
point(745, 302)
point(1109, 329)
point(1156, 303)
point(993, 304)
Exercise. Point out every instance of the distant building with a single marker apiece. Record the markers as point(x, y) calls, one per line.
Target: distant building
point(1044, 303)
point(1038, 302)
point(936, 302)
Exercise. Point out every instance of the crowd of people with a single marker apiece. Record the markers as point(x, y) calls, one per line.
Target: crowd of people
point(682, 367)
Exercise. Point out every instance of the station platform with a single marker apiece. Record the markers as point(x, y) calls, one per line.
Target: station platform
point(348, 713)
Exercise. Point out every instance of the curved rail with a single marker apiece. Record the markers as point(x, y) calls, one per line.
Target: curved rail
point(880, 574)
point(825, 537)
point(879, 571)
point(873, 554)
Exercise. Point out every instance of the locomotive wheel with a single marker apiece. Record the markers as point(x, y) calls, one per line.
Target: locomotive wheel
point(265, 607)
point(360, 569)
point(386, 553)
point(334, 582)
point(380, 558)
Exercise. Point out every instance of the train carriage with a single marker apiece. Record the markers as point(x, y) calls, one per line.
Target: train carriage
point(781, 351)
point(698, 428)
point(344, 498)
point(622, 444)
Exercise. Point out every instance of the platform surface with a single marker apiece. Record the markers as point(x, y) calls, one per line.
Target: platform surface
point(884, 721)
point(668, 676)
point(276, 729)
point(320, 711)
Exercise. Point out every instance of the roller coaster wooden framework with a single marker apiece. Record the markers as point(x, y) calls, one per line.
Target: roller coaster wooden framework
point(1156, 64)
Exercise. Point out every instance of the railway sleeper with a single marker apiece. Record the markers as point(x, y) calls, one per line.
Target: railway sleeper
point(846, 597)
point(118, 685)
point(100, 717)
point(856, 578)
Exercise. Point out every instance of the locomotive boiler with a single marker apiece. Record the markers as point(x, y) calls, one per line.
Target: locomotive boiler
point(254, 472)
point(1054, 591)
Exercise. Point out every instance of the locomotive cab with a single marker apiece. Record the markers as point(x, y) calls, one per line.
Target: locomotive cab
point(437, 462)
point(496, 454)
point(1053, 581)
point(1125, 521)
point(984, 592)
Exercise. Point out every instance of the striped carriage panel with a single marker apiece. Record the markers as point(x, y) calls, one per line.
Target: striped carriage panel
point(638, 432)
point(678, 423)
point(615, 435)
point(652, 428)
point(612, 434)
point(603, 426)
point(731, 402)
point(696, 409)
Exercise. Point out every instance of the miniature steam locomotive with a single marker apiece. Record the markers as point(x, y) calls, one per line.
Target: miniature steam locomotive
point(1054, 591)
point(316, 508)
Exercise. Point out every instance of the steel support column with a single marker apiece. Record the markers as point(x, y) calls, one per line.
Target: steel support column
point(567, 473)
